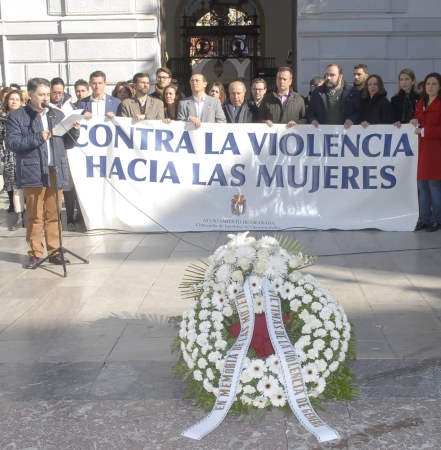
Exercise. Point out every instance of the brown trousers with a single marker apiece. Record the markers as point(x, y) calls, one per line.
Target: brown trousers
point(42, 214)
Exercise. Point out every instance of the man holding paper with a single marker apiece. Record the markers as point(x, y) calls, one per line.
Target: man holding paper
point(28, 135)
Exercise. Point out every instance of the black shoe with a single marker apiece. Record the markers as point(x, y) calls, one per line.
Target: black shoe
point(421, 226)
point(18, 224)
point(57, 260)
point(32, 263)
point(71, 227)
point(434, 227)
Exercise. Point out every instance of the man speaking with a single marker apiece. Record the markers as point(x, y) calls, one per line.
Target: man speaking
point(27, 135)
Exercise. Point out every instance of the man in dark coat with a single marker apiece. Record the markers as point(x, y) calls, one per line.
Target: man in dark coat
point(334, 102)
point(28, 135)
point(236, 108)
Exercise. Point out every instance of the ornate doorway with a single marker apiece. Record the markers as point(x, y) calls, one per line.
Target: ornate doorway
point(223, 30)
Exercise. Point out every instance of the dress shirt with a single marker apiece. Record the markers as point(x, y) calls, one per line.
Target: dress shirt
point(283, 98)
point(199, 105)
point(98, 106)
point(48, 142)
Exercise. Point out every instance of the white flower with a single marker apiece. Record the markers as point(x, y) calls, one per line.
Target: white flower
point(306, 299)
point(321, 365)
point(321, 332)
point(273, 363)
point(325, 313)
point(313, 393)
point(202, 339)
point(216, 316)
point(204, 326)
point(218, 325)
point(295, 276)
point(342, 357)
point(217, 335)
point(203, 314)
point(205, 302)
point(346, 335)
point(258, 304)
point(227, 311)
point(328, 353)
point(334, 366)
point(205, 349)
point(275, 267)
point(263, 254)
point(299, 291)
point(246, 378)
point(268, 240)
point(233, 289)
point(260, 402)
point(306, 329)
point(245, 252)
point(329, 325)
point(260, 267)
point(334, 344)
point(230, 258)
point(256, 368)
point(210, 374)
point(310, 372)
point(215, 391)
point(182, 333)
point(295, 262)
point(312, 354)
point(301, 355)
point(237, 275)
point(246, 400)
point(182, 346)
point(190, 346)
point(219, 300)
point(316, 306)
point(239, 389)
point(202, 363)
point(238, 238)
point(214, 356)
point(220, 364)
point(277, 284)
point(208, 386)
point(319, 344)
point(223, 273)
point(278, 398)
point(308, 287)
point(344, 346)
point(294, 305)
point(191, 314)
point(255, 284)
point(244, 263)
point(190, 364)
point(221, 344)
point(197, 375)
point(218, 287)
point(335, 334)
point(249, 389)
point(287, 291)
point(194, 353)
point(320, 385)
point(326, 374)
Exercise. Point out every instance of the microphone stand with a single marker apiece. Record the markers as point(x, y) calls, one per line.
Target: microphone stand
point(61, 250)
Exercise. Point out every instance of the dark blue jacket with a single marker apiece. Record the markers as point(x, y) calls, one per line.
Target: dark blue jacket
point(23, 137)
point(113, 104)
point(349, 105)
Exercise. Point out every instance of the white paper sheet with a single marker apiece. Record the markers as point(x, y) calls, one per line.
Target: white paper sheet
point(63, 127)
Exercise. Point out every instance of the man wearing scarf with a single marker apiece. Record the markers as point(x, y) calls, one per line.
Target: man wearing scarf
point(236, 109)
point(58, 96)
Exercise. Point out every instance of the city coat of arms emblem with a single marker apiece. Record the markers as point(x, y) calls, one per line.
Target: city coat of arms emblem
point(238, 205)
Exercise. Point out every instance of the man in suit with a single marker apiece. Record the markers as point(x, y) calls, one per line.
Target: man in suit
point(236, 108)
point(99, 103)
point(141, 106)
point(200, 107)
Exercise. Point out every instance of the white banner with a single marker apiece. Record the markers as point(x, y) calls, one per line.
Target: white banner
point(144, 176)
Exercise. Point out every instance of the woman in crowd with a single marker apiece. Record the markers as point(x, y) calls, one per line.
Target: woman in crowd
point(122, 90)
point(170, 97)
point(13, 101)
point(427, 121)
point(404, 101)
point(375, 108)
point(3, 93)
point(217, 90)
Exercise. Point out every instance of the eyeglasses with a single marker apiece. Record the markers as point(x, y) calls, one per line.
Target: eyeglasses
point(162, 78)
point(57, 93)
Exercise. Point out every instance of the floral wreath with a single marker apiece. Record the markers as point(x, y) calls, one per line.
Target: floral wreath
point(315, 323)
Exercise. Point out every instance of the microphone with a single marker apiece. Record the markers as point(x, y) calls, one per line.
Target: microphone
point(46, 105)
point(49, 107)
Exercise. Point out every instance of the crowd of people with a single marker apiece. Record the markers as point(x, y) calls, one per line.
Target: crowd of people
point(332, 100)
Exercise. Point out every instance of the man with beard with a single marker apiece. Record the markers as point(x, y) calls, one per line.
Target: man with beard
point(361, 73)
point(334, 102)
point(141, 106)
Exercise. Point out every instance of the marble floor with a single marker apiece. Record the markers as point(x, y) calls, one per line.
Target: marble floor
point(85, 360)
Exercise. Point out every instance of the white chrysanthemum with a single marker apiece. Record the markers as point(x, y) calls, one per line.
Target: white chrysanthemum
point(319, 344)
point(205, 348)
point(313, 393)
point(321, 332)
point(205, 302)
point(218, 326)
point(214, 356)
point(263, 254)
point(227, 311)
point(239, 389)
point(294, 305)
point(304, 314)
point(258, 304)
point(312, 354)
point(216, 316)
point(202, 363)
point(301, 355)
point(316, 323)
point(275, 267)
point(182, 333)
point(329, 325)
point(190, 346)
point(260, 402)
point(316, 306)
point(183, 346)
point(268, 240)
point(217, 335)
point(245, 378)
point(299, 291)
point(321, 364)
point(210, 374)
point(191, 324)
point(334, 344)
point(255, 284)
point(335, 335)
point(325, 313)
point(341, 356)
point(256, 368)
point(219, 300)
point(233, 289)
point(260, 267)
point(249, 389)
point(204, 314)
point(346, 335)
point(244, 263)
point(295, 262)
point(287, 291)
point(273, 363)
point(194, 353)
point(245, 252)
point(202, 339)
point(334, 366)
point(310, 372)
point(328, 353)
point(218, 287)
point(278, 398)
point(191, 314)
point(306, 299)
point(326, 374)
point(246, 400)
point(208, 386)
point(197, 375)
point(223, 273)
point(306, 329)
point(230, 258)
point(237, 275)
point(295, 276)
point(190, 364)
point(220, 364)
point(221, 344)
point(344, 346)
point(308, 286)
point(205, 326)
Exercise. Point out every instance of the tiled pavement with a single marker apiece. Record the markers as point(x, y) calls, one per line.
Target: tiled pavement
point(85, 360)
